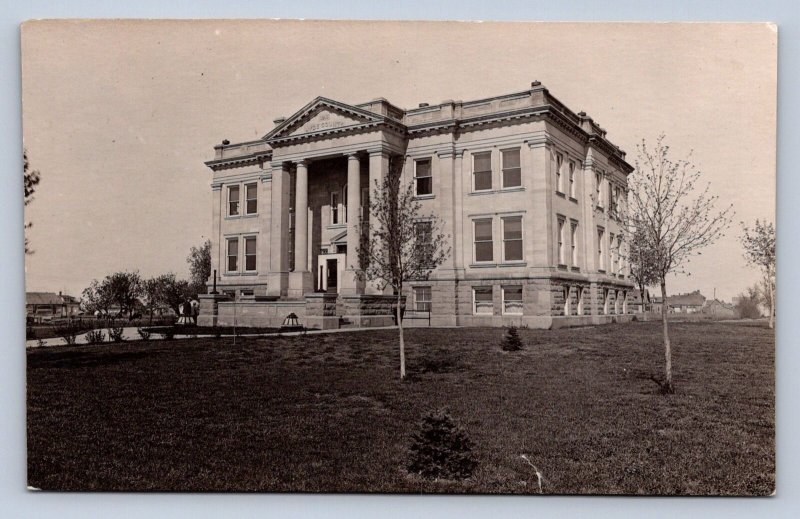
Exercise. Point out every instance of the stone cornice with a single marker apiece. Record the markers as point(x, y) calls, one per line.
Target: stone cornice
point(252, 159)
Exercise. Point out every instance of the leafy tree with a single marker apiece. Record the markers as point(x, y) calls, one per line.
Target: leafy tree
point(675, 219)
point(199, 260)
point(151, 295)
point(31, 178)
point(747, 304)
point(402, 244)
point(759, 251)
point(172, 291)
point(96, 298)
point(124, 288)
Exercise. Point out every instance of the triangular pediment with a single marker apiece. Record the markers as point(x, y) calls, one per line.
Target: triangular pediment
point(322, 116)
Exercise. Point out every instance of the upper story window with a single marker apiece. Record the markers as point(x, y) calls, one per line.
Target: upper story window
point(571, 179)
point(559, 176)
point(613, 250)
point(422, 176)
point(233, 255)
point(620, 256)
point(598, 184)
point(482, 171)
point(364, 203)
point(512, 238)
point(512, 173)
point(233, 200)
point(250, 254)
point(611, 198)
point(336, 208)
point(251, 198)
point(484, 246)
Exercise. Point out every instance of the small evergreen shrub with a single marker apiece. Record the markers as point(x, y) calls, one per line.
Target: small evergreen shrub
point(168, 333)
point(511, 340)
point(115, 334)
point(143, 333)
point(68, 332)
point(95, 337)
point(441, 449)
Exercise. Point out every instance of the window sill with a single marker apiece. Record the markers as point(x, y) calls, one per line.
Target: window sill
point(249, 273)
point(512, 189)
point(562, 266)
point(575, 269)
point(233, 217)
point(252, 215)
point(232, 274)
point(513, 314)
point(573, 199)
point(482, 192)
point(562, 195)
point(424, 197)
point(602, 271)
point(337, 226)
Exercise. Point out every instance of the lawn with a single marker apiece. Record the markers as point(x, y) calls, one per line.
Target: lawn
point(329, 413)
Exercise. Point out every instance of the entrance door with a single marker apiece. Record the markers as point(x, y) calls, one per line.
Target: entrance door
point(332, 275)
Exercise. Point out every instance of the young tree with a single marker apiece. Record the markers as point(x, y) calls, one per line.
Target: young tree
point(759, 251)
point(641, 262)
point(199, 260)
point(31, 178)
point(675, 218)
point(402, 244)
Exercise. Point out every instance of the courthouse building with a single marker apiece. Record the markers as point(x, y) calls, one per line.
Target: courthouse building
point(527, 190)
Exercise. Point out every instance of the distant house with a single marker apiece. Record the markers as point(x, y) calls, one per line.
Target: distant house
point(43, 306)
point(689, 303)
point(719, 309)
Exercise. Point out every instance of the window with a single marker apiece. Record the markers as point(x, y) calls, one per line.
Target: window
point(512, 238)
point(620, 257)
point(610, 198)
point(512, 174)
point(559, 163)
point(573, 243)
point(611, 240)
point(598, 182)
point(561, 247)
point(343, 215)
point(606, 300)
point(581, 293)
point(483, 300)
point(251, 198)
point(482, 171)
point(233, 201)
point(424, 240)
point(566, 300)
point(250, 254)
point(483, 240)
point(233, 254)
point(422, 176)
point(422, 299)
point(512, 300)
point(601, 264)
point(571, 179)
point(335, 209)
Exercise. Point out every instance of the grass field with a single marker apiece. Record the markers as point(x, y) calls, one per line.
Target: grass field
point(329, 413)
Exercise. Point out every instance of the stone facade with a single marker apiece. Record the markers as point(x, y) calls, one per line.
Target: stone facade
point(528, 191)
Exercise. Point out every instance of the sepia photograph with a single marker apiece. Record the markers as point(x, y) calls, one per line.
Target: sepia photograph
point(433, 257)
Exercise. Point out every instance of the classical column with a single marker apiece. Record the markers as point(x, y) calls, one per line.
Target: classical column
point(378, 169)
point(301, 218)
point(300, 279)
point(278, 275)
point(350, 282)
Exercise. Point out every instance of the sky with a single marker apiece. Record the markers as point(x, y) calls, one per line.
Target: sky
point(119, 116)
